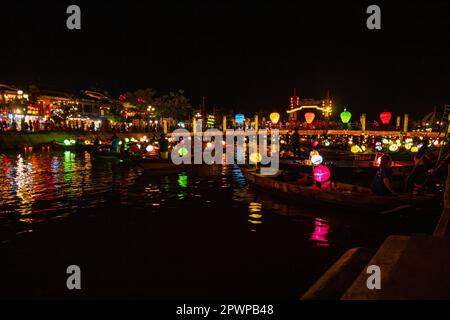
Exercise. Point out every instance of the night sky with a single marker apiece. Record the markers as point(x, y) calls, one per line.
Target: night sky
point(241, 57)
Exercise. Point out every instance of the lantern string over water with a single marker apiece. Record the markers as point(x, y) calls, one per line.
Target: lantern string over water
point(274, 117)
point(239, 118)
point(385, 117)
point(309, 117)
point(346, 116)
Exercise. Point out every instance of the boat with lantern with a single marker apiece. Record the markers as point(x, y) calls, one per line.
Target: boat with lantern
point(302, 187)
point(72, 145)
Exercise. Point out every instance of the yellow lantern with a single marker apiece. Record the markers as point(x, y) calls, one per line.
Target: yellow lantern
point(393, 147)
point(274, 117)
point(255, 157)
point(354, 149)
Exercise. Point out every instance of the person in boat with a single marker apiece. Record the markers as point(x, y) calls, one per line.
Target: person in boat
point(163, 147)
point(382, 182)
point(415, 181)
point(96, 142)
point(296, 143)
point(134, 149)
point(115, 143)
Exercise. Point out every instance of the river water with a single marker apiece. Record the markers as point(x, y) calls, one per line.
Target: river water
point(184, 235)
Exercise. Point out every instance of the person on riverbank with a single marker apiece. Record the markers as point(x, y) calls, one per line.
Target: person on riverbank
point(382, 182)
point(296, 143)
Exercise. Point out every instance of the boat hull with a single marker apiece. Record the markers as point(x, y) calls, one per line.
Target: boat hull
point(350, 196)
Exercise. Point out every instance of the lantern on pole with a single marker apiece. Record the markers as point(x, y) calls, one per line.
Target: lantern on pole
point(345, 116)
point(274, 117)
point(309, 117)
point(385, 117)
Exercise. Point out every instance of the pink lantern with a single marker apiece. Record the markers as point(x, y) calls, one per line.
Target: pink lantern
point(309, 117)
point(385, 117)
point(321, 173)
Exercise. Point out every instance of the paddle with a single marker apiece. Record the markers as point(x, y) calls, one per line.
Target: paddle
point(396, 209)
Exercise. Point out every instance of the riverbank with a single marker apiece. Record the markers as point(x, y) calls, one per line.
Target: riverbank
point(17, 140)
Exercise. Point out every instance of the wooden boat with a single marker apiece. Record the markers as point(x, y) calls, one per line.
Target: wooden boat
point(342, 194)
point(104, 153)
point(157, 164)
point(345, 168)
point(72, 147)
point(154, 165)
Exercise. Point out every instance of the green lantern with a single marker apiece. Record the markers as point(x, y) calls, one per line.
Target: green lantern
point(345, 116)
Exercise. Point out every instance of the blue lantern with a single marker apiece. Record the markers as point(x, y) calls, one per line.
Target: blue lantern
point(239, 118)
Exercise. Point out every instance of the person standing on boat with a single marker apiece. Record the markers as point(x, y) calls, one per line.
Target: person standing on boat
point(115, 143)
point(382, 182)
point(296, 143)
point(163, 147)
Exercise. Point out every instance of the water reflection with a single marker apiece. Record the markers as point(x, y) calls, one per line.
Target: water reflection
point(255, 214)
point(320, 233)
point(40, 186)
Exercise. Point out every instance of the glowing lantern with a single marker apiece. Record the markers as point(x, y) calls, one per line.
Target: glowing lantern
point(378, 146)
point(346, 116)
point(313, 153)
point(316, 159)
point(182, 152)
point(408, 146)
point(393, 147)
point(385, 117)
point(385, 141)
point(67, 142)
point(355, 149)
point(149, 148)
point(239, 118)
point(321, 173)
point(274, 117)
point(315, 143)
point(414, 149)
point(255, 157)
point(72, 141)
point(209, 145)
point(127, 140)
point(326, 143)
point(309, 117)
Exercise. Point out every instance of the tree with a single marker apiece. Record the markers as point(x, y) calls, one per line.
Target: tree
point(175, 105)
point(142, 99)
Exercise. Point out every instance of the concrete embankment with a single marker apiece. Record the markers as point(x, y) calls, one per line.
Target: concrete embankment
point(17, 140)
point(443, 226)
point(411, 267)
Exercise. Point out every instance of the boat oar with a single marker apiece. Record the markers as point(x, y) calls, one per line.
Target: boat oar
point(396, 209)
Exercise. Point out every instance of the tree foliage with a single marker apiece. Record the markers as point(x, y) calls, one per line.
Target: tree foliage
point(172, 105)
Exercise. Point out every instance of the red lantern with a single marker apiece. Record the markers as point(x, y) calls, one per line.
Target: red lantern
point(309, 117)
point(385, 117)
point(321, 173)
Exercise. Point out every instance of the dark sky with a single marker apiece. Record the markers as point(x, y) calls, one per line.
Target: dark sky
point(244, 57)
